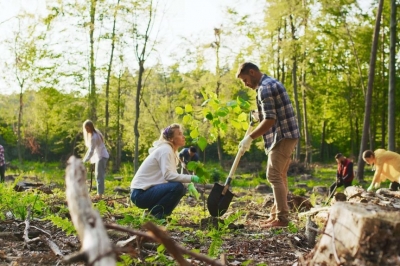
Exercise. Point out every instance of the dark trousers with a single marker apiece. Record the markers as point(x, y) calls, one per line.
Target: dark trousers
point(339, 184)
point(2, 172)
point(394, 186)
point(160, 199)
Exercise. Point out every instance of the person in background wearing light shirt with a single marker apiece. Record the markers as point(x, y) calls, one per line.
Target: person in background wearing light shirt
point(157, 186)
point(386, 165)
point(97, 154)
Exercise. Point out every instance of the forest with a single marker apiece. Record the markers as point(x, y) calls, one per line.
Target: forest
point(98, 60)
point(111, 61)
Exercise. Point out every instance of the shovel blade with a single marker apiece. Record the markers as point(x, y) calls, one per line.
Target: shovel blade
point(217, 203)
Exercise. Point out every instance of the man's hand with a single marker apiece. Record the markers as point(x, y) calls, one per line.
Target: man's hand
point(370, 188)
point(245, 144)
point(196, 179)
point(193, 191)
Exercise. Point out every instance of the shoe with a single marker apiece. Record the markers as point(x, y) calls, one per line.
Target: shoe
point(276, 224)
point(270, 219)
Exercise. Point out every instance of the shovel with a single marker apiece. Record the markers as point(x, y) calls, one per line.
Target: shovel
point(220, 197)
point(331, 195)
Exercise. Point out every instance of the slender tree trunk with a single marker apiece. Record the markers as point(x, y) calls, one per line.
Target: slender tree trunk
point(217, 34)
point(297, 105)
point(118, 148)
point(46, 143)
point(392, 78)
point(137, 114)
point(308, 157)
point(368, 97)
point(322, 149)
point(92, 92)
point(19, 144)
point(107, 114)
point(141, 57)
point(278, 52)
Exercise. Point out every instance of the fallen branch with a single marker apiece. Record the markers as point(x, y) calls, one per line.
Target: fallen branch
point(168, 243)
point(26, 230)
point(198, 256)
point(312, 212)
point(53, 246)
point(96, 246)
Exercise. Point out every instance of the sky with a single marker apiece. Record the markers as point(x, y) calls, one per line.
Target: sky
point(182, 18)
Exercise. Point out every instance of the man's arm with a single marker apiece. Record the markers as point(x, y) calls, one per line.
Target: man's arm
point(263, 127)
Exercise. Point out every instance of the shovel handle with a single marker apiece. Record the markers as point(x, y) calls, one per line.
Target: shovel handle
point(235, 164)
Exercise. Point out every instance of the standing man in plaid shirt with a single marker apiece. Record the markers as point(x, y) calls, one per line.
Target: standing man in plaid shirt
point(2, 164)
point(279, 129)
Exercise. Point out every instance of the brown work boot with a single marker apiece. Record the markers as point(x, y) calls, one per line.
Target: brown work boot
point(276, 224)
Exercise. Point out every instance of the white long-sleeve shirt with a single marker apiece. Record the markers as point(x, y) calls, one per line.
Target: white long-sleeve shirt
point(97, 150)
point(158, 168)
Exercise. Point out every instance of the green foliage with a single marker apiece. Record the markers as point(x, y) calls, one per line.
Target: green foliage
point(102, 207)
point(216, 234)
point(16, 203)
point(62, 223)
point(300, 191)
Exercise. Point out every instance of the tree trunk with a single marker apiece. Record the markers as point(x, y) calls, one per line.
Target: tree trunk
point(322, 149)
point(368, 97)
point(118, 148)
point(296, 102)
point(107, 115)
point(92, 92)
point(137, 114)
point(308, 157)
point(19, 144)
point(96, 246)
point(294, 82)
point(392, 78)
point(358, 235)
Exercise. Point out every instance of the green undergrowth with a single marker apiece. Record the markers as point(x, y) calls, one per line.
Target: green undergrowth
point(52, 207)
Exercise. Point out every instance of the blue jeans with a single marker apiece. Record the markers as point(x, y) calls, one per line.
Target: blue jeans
point(160, 199)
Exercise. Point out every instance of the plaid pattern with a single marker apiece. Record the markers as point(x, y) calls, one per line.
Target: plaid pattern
point(2, 160)
point(273, 103)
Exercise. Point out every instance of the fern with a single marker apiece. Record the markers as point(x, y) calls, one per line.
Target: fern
point(101, 206)
point(62, 223)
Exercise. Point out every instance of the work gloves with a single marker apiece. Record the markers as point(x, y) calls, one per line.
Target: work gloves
point(245, 144)
point(193, 191)
point(371, 187)
point(196, 179)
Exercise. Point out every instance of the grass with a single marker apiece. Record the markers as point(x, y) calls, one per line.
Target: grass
point(52, 207)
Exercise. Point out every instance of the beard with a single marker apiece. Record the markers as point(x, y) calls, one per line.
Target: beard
point(254, 82)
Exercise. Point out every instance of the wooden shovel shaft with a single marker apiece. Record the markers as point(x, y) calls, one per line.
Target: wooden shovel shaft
point(234, 165)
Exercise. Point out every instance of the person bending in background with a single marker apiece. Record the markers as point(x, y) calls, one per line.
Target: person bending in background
point(157, 185)
point(279, 129)
point(96, 153)
point(386, 165)
point(187, 155)
point(2, 164)
point(344, 173)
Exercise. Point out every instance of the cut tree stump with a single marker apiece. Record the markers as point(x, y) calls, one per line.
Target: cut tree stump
point(353, 191)
point(96, 247)
point(359, 234)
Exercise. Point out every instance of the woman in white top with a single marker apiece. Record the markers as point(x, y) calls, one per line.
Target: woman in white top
point(157, 185)
point(96, 153)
